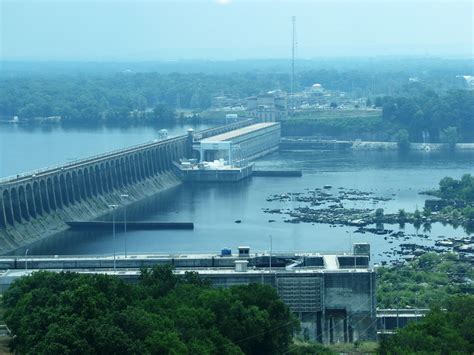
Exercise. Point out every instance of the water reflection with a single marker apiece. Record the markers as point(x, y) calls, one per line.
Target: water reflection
point(215, 208)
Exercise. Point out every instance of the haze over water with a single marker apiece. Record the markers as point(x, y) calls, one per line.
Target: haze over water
point(214, 208)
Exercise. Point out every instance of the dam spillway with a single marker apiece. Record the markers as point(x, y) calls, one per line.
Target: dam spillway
point(37, 204)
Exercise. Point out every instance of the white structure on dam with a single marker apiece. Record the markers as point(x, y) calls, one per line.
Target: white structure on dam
point(246, 143)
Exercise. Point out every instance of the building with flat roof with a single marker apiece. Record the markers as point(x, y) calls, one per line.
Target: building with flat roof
point(269, 107)
point(333, 295)
point(245, 143)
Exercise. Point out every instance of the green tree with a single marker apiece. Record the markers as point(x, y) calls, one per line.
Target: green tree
point(402, 215)
point(379, 214)
point(163, 113)
point(417, 215)
point(450, 136)
point(448, 188)
point(439, 332)
point(426, 212)
point(403, 140)
point(61, 313)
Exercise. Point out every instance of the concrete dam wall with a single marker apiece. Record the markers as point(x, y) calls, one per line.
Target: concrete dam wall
point(36, 205)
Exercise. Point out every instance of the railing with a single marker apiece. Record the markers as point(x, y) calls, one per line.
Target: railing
point(77, 162)
point(210, 131)
point(87, 159)
point(191, 254)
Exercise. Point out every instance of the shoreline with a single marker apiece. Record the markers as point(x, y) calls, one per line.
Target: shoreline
point(289, 143)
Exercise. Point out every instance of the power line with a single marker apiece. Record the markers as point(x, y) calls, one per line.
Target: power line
point(264, 332)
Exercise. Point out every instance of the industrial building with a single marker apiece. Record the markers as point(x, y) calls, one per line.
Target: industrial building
point(332, 295)
point(226, 157)
point(269, 107)
point(389, 320)
point(333, 299)
point(246, 143)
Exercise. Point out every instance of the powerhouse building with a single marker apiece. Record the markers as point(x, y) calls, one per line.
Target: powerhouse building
point(246, 143)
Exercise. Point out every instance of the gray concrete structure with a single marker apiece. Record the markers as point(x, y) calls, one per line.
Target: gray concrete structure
point(246, 143)
point(269, 107)
point(36, 204)
point(332, 295)
point(333, 306)
point(389, 320)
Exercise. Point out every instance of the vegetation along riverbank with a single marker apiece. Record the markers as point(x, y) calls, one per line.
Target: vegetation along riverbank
point(341, 207)
point(324, 205)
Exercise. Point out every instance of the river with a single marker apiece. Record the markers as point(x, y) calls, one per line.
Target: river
point(214, 209)
point(26, 147)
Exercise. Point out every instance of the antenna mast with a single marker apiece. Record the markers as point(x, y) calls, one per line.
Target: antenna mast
point(293, 20)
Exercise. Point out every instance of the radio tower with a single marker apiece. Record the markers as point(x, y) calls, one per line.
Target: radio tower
point(293, 47)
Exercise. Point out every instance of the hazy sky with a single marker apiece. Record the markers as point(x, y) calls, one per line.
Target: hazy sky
point(232, 29)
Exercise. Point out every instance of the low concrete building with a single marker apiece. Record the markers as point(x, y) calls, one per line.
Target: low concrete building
point(334, 305)
point(332, 295)
point(269, 107)
point(389, 320)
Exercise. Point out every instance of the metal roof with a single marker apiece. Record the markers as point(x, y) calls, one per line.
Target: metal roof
point(238, 132)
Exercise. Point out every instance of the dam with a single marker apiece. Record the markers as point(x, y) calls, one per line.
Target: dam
point(37, 204)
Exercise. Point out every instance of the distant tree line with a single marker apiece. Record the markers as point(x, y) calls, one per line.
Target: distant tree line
point(110, 97)
point(423, 114)
point(418, 115)
point(69, 313)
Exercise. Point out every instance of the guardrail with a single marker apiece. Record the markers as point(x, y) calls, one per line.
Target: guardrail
point(87, 159)
point(77, 162)
point(177, 255)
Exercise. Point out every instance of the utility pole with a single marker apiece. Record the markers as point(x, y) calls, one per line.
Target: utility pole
point(271, 251)
point(398, 312)
point(26, 259)
point(125, 196)
point(293, 47)
point(113, 207)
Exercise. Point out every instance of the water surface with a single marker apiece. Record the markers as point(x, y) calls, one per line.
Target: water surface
point(24, 148)
point(214, 208)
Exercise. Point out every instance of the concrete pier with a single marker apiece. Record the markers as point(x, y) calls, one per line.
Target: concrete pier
point(277, 173)
point(80, 225)
point(229, 174)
